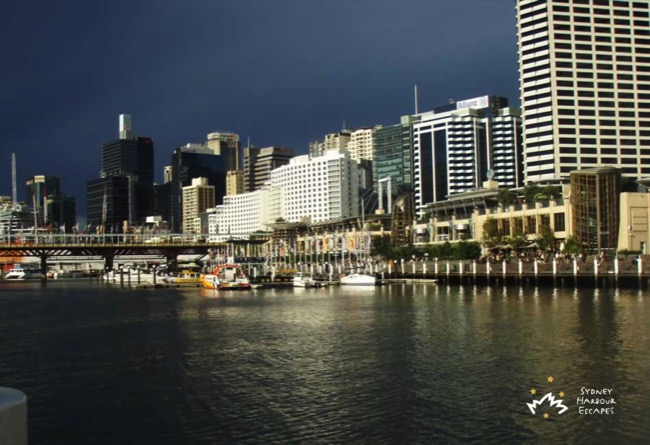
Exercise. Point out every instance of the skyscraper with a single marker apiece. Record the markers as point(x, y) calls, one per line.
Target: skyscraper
point(37, 189)
point(584, 69)
point(268, 159)
point(195, 161)
point(460, 145)
point(131, 158)
point(197, 198)
point(228, 146)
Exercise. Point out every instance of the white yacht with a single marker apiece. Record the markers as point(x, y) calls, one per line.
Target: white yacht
point(16, 273)
point(359, 279)
point(304, 280)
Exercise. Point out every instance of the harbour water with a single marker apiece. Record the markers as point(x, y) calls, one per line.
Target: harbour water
point(392, 364)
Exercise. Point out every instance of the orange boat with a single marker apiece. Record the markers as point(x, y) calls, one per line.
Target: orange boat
point(226, 277)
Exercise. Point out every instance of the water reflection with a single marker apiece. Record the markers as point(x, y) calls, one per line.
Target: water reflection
point(392, 364)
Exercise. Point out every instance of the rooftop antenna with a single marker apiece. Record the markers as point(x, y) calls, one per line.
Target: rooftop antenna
point(344, 124)
point(14, 189)
point(416, 99)
point(249, 141)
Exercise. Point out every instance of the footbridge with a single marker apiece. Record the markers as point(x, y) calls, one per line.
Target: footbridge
point(58, 247)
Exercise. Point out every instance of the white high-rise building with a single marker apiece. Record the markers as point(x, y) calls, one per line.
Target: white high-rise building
point(360, 144)
point(197, 198)
point(320, 188)
point(584, 69)
point(317, 189)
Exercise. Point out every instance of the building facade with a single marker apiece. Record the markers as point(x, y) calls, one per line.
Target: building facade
point(132, 158)
point(360, 145)
point(320, 188)
point(37, 190)
point(595, 208)
point(393, 154)
point(267, 160)
point(228, 146)
point(234, 182)
point(197, 198)
point(456, 146)
point(195, 161)
point(584, 70)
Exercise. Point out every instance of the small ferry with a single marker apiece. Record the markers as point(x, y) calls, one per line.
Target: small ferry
point(184, 277)
point(226, 277)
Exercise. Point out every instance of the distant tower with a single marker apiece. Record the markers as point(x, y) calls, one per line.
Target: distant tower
point(125, 126)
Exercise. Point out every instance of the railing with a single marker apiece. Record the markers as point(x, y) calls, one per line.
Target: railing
point(81, 239)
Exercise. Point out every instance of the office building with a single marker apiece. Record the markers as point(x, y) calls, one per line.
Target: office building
point(595, 199)
point(456, 147)
point(162, 201)
point(132, 158)
point(250, 159)
point(61, 211)
point(197, 198)
point(228, 146)
point(195, 161)
point(37, 189)
point(109, 202)
point(584, 69)
point(262, 161)
point(393, 153)
point(167, 174)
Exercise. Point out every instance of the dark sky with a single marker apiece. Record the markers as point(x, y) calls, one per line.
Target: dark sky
point(281, 72)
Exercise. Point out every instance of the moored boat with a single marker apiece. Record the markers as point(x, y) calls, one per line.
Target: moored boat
point(226, 277)
point(184, 277)
point(304, 280)
point(359, 279)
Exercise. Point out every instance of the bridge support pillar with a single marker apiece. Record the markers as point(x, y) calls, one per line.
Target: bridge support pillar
point(172, 261)
point(108, 262)
point(43, 267)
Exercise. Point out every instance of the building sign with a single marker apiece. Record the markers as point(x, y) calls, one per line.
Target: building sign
point(477, 102)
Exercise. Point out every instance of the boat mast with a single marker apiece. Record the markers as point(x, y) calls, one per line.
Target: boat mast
point(14, 189)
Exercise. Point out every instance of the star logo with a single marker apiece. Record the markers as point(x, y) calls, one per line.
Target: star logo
point(548, 399)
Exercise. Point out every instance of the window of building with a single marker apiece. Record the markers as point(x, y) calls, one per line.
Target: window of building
point(558, 222)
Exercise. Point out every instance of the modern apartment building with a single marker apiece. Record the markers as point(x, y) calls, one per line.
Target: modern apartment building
point(197, 198)
point(584, 69)
point(332, 141)
point(234, 182)
point(458, 146)
point(360, 144)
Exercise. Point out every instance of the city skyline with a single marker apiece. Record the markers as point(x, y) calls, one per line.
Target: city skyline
point(288, 84)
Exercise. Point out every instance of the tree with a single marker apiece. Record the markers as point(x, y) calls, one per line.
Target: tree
point(530, 191)
point(571, 246)
point(546, 238)
point(491, 236)
point(506, 197)
point(465, 250)
point(517, 240)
